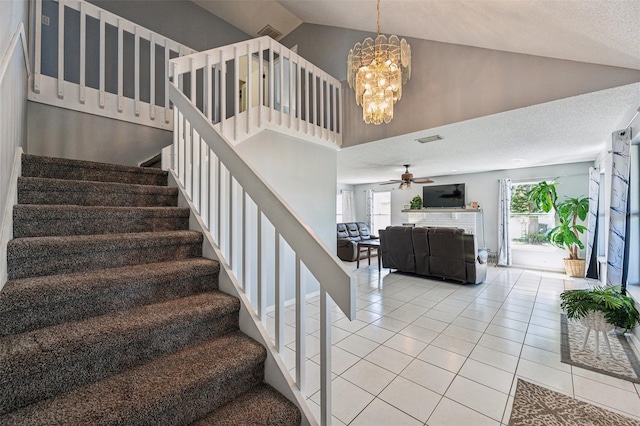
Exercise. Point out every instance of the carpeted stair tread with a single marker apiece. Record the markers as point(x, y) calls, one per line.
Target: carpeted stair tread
point(34, 190)
point(177, 389)
point(41, 363)
point(37, 256)
point(31, 303)
point(35, 220)
point(261, 405)
point(63, 168)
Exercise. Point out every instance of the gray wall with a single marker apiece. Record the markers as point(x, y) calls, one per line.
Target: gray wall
point(58, 132)
point(483, 187)
point(182, 21)
point(452, 83)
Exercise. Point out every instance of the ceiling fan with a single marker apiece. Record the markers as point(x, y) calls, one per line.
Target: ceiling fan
point(407, 179)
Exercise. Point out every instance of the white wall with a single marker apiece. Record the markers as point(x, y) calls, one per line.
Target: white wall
point(483, 188)
point(13, 101)
point(304, 175)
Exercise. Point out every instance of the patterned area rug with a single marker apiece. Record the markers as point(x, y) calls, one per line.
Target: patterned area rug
point(624, 364)
point(537, 406)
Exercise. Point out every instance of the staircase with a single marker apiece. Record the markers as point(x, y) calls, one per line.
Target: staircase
point(111, 315)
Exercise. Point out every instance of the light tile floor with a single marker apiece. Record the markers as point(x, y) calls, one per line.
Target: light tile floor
point(428, 352)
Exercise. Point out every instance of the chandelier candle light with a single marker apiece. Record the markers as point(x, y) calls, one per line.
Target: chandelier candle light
point(376, 70)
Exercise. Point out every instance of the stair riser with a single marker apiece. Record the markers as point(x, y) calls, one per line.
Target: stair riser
point(23, 263)
point(77, 170)
point(50, 376)
point(108, 296)
point(37, 227)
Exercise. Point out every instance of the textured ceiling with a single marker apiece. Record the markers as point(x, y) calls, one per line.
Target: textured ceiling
point(576, 129)
point(564, 131)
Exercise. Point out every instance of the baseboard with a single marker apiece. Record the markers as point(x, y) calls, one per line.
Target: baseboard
point(6, 234)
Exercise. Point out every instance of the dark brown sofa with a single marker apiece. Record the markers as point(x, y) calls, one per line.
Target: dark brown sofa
point(348, 236)
point(446, 253)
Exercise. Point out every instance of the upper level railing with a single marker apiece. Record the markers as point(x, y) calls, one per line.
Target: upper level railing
point(276, 89)
point(90, 60)
point(253, 228)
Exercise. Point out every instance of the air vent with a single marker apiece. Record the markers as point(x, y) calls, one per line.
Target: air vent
point(268, 30)
point(430, 139)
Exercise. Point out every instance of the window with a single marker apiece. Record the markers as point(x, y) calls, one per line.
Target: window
point(527, 225)
point(381, 211)
point(339, 208)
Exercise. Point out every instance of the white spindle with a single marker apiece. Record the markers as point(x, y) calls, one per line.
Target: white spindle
point(176, 144)
point(322, 116)
point(260, 83)
point(223, 92)
point(208, 87)
point(236, 93)
point(167, 55)
point(272, 70)
point(120, 66)
point(245, 265)
point(292, 108)
point(279, 287)
point(325, 358)
point(301, 309)
point(152, 78)
point(335, 112)
point(219, 202)
point(315, 103)
point(307, 111)
point(61, 49)
point(136, 68)
point(204, 182)
point(298, 95)
point(230, 258)
point(37, 57)
point(261, 287)
point(281, 59)
point(83, 50)
point(196, 171)
point(103, 64)
point(248, 89)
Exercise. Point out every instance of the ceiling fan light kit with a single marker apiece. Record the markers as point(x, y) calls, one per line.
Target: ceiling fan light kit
point(376, 71)
point(406, 179)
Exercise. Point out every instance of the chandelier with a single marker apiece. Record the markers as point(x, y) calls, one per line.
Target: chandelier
point(376, 70)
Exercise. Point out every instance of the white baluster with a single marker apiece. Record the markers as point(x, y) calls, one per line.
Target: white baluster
point(301, 325)
point(325, 357)
point(279, 287)
point(103, 65)
point(152, 77)
point(37, 58)
point(83, 50)
point(61, 49)
point(236, 93)
point(120, 65)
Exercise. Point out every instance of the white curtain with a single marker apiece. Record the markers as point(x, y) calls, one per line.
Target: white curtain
point(504, 207)
point(348, 213)
point(369, 208)
point(594, 191)
point(621, 147)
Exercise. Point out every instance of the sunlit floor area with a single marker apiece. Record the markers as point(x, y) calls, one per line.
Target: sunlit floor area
point(428, 352)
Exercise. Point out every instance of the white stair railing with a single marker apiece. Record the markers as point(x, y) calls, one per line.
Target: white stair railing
point(271, 87)
point(99, 63)
point(250, 224)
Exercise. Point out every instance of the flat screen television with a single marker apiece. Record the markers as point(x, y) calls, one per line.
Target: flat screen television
point(451, 196)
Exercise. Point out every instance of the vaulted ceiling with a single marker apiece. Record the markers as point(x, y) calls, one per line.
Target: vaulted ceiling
point(605, 32)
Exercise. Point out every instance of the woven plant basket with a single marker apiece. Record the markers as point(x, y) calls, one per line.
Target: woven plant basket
point(574, 267)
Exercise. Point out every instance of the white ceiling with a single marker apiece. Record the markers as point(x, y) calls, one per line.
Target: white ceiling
point(603, 32)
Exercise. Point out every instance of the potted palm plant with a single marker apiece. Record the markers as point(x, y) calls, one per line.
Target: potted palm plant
point(601, 308)
point(566, 234)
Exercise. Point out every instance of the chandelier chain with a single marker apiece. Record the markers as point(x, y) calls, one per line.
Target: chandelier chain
point(378, 17)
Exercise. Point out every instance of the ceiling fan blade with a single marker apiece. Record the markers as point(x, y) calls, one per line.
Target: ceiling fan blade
point(423, 180)
point(391, 182)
